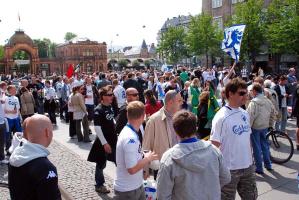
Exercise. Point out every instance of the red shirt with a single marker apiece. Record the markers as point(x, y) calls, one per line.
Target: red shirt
point(149, 109)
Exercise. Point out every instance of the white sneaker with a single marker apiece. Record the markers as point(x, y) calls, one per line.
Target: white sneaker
point(4, 161)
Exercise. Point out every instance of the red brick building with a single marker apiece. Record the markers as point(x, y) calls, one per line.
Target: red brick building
point(91, 55)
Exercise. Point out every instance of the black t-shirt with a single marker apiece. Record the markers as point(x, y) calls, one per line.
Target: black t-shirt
point(104, 117)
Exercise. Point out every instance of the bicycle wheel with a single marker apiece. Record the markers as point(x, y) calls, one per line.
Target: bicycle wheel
point(281, 147)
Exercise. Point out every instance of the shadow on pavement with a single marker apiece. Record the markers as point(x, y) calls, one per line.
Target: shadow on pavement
point(276, 180)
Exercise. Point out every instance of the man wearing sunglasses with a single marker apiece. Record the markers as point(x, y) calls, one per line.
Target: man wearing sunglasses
point(122, 119)
point(104, 147)
point(231, 132)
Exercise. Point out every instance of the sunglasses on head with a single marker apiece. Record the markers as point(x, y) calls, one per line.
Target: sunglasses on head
point(134, 95)
point(242, 93)
point(109, 95)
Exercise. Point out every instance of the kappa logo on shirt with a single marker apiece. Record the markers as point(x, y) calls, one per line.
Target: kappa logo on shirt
point(51, 175)
point(131, 141)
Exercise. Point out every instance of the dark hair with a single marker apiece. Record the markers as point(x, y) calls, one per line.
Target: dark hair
point(283, 78)
point(23, 89)
point(184, 123)
point(103, 91)
point(233, 86)
point(150, 95)
point(257, 87)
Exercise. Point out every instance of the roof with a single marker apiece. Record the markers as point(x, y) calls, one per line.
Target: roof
point(19, 37)
point(181, 20)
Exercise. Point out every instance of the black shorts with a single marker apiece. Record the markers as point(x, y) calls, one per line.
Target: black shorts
point(297, 121)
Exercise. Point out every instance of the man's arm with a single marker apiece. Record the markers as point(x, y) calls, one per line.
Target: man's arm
point(148, 157)
point(47, 187)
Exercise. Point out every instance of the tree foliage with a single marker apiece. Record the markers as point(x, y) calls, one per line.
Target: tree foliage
point(1, 52)
point(172, 45)
point(203, 37)
point(123, 63)
point(69, 36)
point(251, 13)
point(282, 28)
point(135, 64)
point(46, 49)
point(21, 55)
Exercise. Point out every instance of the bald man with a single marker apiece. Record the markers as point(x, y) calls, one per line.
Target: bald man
point(121, 119)
point(30, 174)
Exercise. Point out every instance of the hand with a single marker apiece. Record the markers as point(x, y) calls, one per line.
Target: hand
point(107, 148)
point(150, 156)
point(270, 129)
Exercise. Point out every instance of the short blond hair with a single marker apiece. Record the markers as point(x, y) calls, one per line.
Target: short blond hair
point(135, 110)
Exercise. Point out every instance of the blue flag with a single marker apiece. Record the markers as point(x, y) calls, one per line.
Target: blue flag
point(231, 43)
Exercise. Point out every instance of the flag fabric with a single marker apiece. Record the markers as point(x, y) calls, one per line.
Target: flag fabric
point(70, 71)
point(231, 43)
point(213, 105)
point(77, 68)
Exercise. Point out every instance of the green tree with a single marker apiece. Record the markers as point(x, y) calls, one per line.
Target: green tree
point(172, 45)
point(52, 50)
point(204, 37)
point(136, 64)
point(148, 63)
point(69, 36)
point(43, 48)
point(46, 49)
point(283, 27)
point(123, 63)
point(1, 52)
point(20, 55)
point(251, 13)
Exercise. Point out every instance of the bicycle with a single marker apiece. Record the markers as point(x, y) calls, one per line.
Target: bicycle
point(281, 146)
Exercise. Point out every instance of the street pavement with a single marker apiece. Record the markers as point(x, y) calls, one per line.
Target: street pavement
point(76, 175)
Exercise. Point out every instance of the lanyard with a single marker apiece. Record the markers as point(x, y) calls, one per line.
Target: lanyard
point(189, 140)
point(132, 128)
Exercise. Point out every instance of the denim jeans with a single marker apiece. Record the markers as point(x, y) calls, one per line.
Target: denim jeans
point(281, 123)
point(261, 149)
point(99, 174)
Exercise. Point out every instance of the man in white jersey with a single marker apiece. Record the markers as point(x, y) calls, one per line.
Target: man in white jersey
point(128, 183)
point(231, 133)
point(119, 93)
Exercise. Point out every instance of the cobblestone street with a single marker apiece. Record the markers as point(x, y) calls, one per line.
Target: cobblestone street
point(76, 175)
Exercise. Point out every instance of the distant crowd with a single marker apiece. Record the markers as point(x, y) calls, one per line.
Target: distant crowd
point(200, 132)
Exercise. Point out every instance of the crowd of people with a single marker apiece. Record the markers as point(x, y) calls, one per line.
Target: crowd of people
point(206, 127)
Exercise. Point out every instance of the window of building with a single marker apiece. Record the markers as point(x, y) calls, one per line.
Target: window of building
point(219, 22)
point(216, 3)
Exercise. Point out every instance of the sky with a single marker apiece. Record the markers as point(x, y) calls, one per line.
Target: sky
point(116, 22)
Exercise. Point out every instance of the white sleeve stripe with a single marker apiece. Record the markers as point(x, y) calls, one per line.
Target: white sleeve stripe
point(100, 134)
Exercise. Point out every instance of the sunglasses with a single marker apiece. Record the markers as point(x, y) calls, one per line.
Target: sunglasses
point(242, 93)
point(134, 95)
point(109, 95)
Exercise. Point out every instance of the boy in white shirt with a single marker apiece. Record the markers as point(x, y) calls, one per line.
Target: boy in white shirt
point(11, 110)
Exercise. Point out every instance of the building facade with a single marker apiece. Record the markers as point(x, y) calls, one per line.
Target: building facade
point(91, 55)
